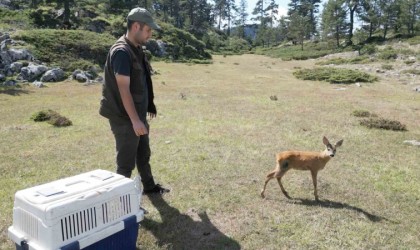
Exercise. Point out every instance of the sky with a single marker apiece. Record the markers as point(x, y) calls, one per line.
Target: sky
point(282, 6)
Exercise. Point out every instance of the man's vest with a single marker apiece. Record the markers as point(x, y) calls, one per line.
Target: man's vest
point(141, 87)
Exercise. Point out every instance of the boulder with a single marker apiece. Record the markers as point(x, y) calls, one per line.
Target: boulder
point(2, 77)
point(16, 67)
point(13, 55)
point(31, 72)
point(53, 75)
point(4, 36)
point(38, 84)
point(10, 83)
point(82, 76)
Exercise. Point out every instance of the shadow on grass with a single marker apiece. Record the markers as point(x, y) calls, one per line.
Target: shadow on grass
point(339, 205)
point(180, 231)
point(13, 91)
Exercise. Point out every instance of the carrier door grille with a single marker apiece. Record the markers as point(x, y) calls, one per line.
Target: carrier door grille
point(78, 223)
point(115, 209)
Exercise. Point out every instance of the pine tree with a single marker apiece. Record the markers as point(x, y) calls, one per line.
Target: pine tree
point(333, 22)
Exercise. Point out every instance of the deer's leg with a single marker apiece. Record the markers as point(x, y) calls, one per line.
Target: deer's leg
point(269, 177)
point(279, 175)
point(314, 180)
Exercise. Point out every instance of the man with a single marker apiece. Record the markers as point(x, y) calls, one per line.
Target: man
point(127, 98)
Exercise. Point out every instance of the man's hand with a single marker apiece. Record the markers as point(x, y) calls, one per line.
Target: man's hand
point(140, 128)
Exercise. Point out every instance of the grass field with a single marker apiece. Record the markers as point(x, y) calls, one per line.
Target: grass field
point(213, 142)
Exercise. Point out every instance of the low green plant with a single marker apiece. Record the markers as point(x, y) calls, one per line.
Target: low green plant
point(67, 48)
point(414, 40)
point(294, 52)
point(411, 71)
point(43, 115)
point(334, 75)
point(368, 49)
point(52, 117)
point(387, 67)
point(354, 60)
point(388, 54)
point(410, 62)
point(363, 113)
point(382, 123)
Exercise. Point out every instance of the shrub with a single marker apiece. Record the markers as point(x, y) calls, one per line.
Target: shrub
point(52, 118)
point(354, 60)
point(412, 71)
point(43, 115)
point(64, 48)
point(387, 67)
point(369, 49)
point(363, 113)
point(181, 44)
point(60, 121)
point(382, 123)
point(334, 75)
point(409, 62)
point(388, 54)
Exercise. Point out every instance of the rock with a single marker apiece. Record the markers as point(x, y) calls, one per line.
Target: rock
point(13, 55)
point(412, 142)
point(16, 67)
point(358, 84)
point(3, 44)
point(97, 26)
point(417, 89)
point(31, 72)
point(38, 84)
point(99, 79)
point(10, 83)
point(20, 54)
point(53, 75)
point(2, 77)
point(80, 76)
point(4, 37)
point(5, 4)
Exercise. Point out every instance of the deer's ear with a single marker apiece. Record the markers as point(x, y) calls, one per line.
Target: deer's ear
point(325, 141)
point(339, 143)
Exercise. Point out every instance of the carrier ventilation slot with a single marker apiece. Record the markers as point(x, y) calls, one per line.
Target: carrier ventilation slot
point(27, 223)
point(116, 208)
point(78, 223)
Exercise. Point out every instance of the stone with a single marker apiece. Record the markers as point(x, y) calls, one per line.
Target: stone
point(412, 142)
point(53, 75)
point(31, 72)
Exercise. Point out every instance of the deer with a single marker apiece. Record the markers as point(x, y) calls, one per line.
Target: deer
point(301, 160)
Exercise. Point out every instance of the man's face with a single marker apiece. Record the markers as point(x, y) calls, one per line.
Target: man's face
point(142, 33)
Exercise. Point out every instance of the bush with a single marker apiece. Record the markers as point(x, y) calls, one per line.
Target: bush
point(334, 75)
point(387, 67)
point(409, 62)
point(388, 54)
point(369, 49)
point(382, 123)
point(354, 60)
point(363, 113)
point(181, 44)
point(65, 48)
point(411, 71)
point(51, 117)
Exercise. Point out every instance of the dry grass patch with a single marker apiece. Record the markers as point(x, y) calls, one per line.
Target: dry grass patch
point(214, 148)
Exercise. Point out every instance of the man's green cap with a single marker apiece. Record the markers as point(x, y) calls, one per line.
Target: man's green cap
point(143, 16)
